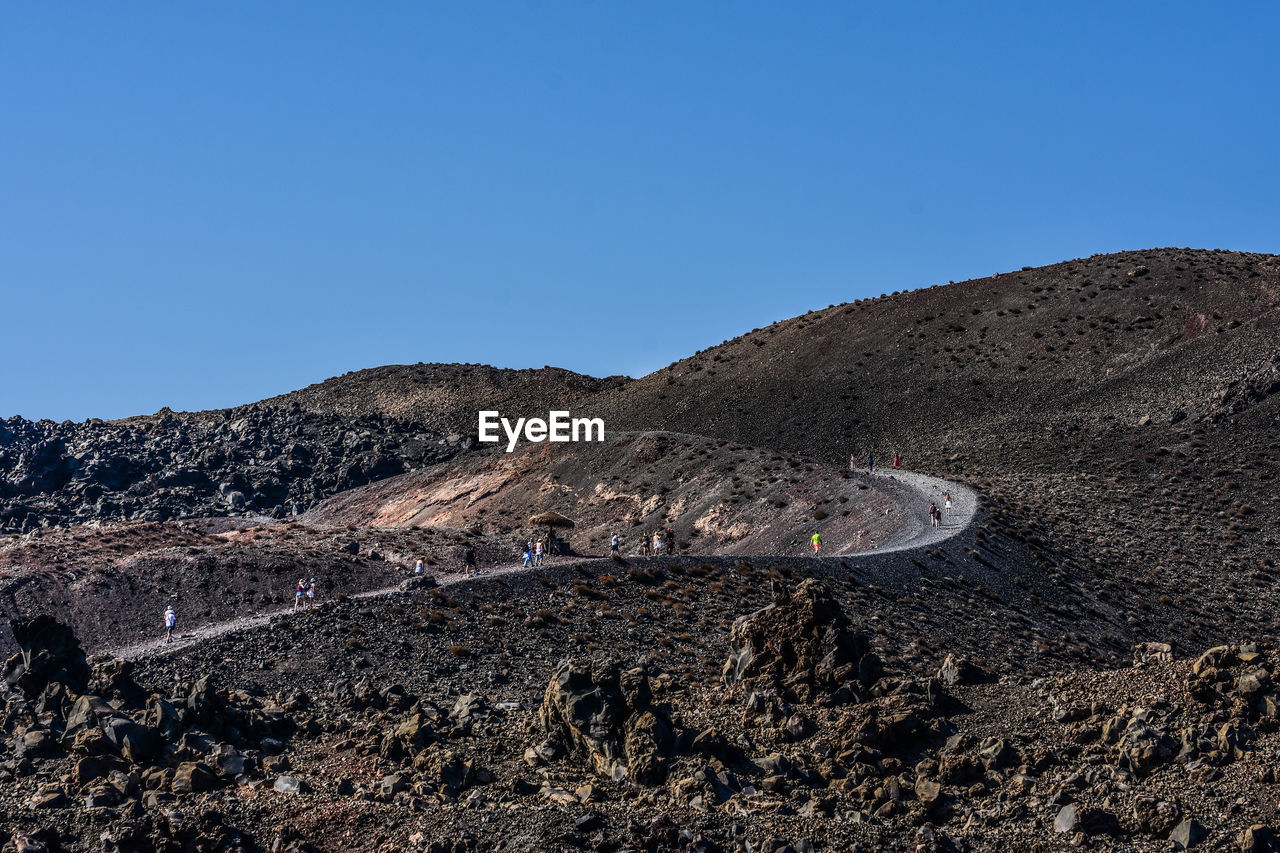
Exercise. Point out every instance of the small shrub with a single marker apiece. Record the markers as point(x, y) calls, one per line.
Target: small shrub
point(543, 617)
point(587, 591)
point(648, 575)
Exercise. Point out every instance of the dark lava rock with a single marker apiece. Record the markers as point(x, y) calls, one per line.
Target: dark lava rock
point(50, 653)
point(1187, 834)
point(256, 459)
point(801, 647)
point(291, 785)
point(192, 778)
point(598, 711)
point(960, 670)
point(1259, 839)
point(1073, 818)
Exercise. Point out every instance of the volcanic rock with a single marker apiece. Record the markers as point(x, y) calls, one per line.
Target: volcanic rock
point(801, 647)
point(597, 710)
point(50, 652)
point(1187, 834)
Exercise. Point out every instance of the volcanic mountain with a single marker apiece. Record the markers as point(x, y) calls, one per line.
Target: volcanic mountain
point(1082, 657)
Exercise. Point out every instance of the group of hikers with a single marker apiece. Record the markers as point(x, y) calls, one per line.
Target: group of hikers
point(534, 550)
point(533, 553)
point(304, 589)
point(935, 513)
point(651, 545)
point(871, 461)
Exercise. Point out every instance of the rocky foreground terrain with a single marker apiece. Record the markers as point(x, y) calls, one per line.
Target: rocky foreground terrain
point(645, 705)
point(1091, 663)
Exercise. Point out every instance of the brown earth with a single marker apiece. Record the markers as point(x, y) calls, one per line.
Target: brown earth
point(718, 497)
point(434, 720)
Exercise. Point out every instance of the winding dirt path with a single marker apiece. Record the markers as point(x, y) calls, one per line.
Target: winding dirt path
point(912, 492)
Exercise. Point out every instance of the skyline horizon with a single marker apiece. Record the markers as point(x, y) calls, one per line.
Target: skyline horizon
point(530, 367)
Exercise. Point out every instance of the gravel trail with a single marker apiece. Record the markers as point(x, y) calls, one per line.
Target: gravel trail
point(912, 493)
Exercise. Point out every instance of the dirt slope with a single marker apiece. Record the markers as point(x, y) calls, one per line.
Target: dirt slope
point(718, 497)
point(1097, 343)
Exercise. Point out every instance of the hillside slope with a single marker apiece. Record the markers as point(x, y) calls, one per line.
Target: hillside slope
point(717, 497)
point(446, 397)
point(1120, 410)
point(1100, 343)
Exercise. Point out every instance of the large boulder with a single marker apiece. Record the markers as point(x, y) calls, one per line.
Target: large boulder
point(193, 778)
point(137, 743)
point(601, 712)
point(1143, 748)
point(801, 647)
point(50, 654)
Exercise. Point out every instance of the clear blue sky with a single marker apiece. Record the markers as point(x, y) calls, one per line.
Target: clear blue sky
point(205, 204)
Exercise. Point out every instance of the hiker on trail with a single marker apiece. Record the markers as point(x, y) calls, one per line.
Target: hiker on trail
point(469, 561)
point(614, 543)
point(871, 463)
point(657, 543)
point(528, 557)
point(947, 499)
point(170, 619)
point(311, 593)
point(417, 569)
point(644, 545)
point(897, 459)
point(816, 539)
point(299, 591)
point(671, 542)
point(853, 461)
point(537, 553)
